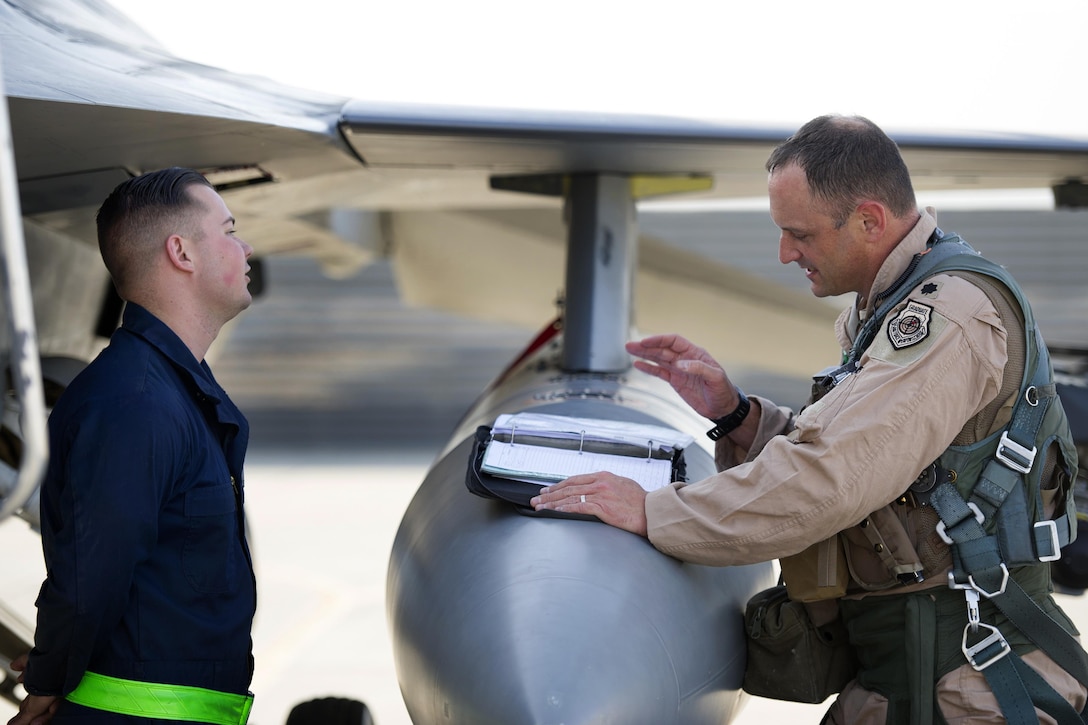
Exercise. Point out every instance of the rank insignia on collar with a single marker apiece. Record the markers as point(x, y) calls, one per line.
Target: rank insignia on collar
point(930, 288)
point(910, 326)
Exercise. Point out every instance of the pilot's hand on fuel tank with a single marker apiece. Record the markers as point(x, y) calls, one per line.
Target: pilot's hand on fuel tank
point(689, 369)
point(613, 499)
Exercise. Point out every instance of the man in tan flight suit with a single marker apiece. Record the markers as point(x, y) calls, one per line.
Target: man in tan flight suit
point(842, 198)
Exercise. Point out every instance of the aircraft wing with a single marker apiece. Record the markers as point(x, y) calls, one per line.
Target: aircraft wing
point(522, 141)
point(93, 99)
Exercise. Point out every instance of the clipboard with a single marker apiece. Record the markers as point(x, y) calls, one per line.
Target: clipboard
point(518, 491)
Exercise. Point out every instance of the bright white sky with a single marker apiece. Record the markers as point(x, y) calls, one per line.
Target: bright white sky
point(965, 64)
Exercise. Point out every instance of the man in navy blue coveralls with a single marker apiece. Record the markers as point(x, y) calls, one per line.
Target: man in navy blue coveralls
point(148, 574)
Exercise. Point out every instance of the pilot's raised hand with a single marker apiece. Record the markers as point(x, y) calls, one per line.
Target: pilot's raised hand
point(613, 499)
point(690, 370)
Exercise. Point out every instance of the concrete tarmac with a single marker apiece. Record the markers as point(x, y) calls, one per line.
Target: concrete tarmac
point(322, 527)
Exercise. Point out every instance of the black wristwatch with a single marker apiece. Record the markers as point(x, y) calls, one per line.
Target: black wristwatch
point(727, 424)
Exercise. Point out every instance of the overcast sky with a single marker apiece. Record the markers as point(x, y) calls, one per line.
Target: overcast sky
point(927, 64)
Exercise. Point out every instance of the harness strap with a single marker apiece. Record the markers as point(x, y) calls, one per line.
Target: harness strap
point(161, 701)
point(1020, 689)
point(980, 559)
point(921, 625)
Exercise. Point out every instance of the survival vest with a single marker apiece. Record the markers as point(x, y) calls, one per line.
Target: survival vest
point(997, 475)
point(989, 497)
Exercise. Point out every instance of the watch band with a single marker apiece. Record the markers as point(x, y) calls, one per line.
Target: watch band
point(727, 424)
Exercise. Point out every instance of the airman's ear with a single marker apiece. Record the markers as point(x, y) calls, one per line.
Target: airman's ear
point(178, 252)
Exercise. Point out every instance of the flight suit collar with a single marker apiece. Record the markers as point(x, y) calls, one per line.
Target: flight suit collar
point(900, 258)
point(853, 317)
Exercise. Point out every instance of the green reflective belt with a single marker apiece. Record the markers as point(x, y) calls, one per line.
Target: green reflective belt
point(160, 701)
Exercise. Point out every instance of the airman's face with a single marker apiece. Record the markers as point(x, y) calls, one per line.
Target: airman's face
point(224, 256)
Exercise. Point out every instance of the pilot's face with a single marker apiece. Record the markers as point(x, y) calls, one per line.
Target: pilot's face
point(832, 257)
point(223, 255)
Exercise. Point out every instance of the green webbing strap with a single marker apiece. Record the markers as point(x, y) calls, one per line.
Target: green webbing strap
point(920, 618)
point(1020, 689)
point(978, 557)
point(160, 701)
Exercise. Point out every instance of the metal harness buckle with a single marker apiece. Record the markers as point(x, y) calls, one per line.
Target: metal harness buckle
point(973, 619)
point(1055, 544)
point(995, 637)
point(1000, 590)
point(941, 527)
point(1014, 455)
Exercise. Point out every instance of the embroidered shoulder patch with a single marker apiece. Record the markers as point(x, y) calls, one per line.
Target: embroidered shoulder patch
point(910, 326)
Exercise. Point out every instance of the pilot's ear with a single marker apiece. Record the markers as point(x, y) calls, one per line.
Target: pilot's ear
point(874, 218)
point(178, 252)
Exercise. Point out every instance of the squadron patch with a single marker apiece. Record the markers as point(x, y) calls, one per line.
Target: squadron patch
point(910, 326)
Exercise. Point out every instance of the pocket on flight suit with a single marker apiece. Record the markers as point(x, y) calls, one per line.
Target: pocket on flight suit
point(818, 573)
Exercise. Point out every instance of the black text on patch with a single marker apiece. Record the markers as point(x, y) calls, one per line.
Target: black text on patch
point(910, 326)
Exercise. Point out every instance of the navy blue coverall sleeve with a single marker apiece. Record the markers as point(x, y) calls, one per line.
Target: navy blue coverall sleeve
point(115, 474)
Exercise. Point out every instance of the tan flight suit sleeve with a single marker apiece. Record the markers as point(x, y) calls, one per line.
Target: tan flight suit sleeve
point(773, 420)
point(856, 450)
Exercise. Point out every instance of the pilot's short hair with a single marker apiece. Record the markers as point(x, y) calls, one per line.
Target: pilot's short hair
point(140, 213)
point(847, 160)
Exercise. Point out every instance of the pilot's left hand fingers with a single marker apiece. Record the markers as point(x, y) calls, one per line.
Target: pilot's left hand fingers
point(568, 490)
point(613, 499)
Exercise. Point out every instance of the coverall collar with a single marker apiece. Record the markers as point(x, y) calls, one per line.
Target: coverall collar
point(158, 334)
